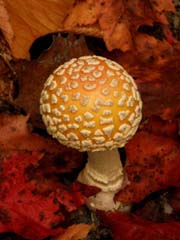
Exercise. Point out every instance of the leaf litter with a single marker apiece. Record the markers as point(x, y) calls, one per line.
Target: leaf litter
point(35, 202)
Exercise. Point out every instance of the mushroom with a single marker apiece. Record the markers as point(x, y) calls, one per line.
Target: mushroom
point(92, 104)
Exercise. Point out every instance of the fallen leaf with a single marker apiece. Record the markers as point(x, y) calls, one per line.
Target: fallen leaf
point(157, 78)
point(31, 205)
point(149, 47)
point(161, 5)
point(6, 72)
point(125, 227)
point(118, 21)
point(32, 75)
point(23, 211)
point(175, 199)
point(155, 209)
point(16, 135)
point(22, 23)
point(161, 97)
point(75, 232)
point(152, 165)
point(125, 42)
point(6, 83)
point(158, 126)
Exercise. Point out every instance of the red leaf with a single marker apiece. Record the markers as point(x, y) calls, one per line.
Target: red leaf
point(23, 211)
point(153, 164)
point(15, 134)
point(126, 227)
point(175, 199)
point(156, 71)
point(169, 35)
point(159, 85)
point(157, 126)
point(31, 205)
point(71, 197)
point(75, 195)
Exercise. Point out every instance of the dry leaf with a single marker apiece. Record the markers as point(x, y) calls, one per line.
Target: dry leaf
point(6, 83)
point(159, 87)
point(152, 165)
point(156, 72)
point(132, 227)
point(76, 232)
point(118, 21)
point(32, 75)
point(16, 135)
point(24, 21)
point(161, 5)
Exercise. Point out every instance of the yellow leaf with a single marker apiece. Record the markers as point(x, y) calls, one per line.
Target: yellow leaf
point(75, 232)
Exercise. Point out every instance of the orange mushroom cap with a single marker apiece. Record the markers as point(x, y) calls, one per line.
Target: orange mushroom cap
point(91, 103)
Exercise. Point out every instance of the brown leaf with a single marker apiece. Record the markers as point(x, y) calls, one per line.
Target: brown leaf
point(32, 75)
point(159, 87)
point(156, 72)
point(89, 14)
point(4, 22)
point(24, 21)
point(160, 127)
point(125, 42)
point(75, 232)
point(161, 5)
point(6, 71)
point(118, 21)
point(6, 83)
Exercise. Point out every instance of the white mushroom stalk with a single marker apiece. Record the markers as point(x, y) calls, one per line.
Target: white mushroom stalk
point(92, 104)
point(103, 170)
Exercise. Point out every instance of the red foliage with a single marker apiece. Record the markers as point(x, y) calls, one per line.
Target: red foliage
point(25, 210)
point(32, 200)
point(159, 87)
point(158, 126)
point(126, 227)
point(74, 196)
point(156, 71)
point(16, 134)
point(153, 164)
point(22, 210)
point(175, 199)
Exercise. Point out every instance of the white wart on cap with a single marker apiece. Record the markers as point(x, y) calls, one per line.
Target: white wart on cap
point(91, 104)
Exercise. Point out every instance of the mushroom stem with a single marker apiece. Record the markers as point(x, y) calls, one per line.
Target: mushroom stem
point(103, 170)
